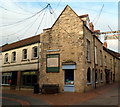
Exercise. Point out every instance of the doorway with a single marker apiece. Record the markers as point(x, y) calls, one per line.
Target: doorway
point(107, 76)
point(69, 80)
point(14, 78)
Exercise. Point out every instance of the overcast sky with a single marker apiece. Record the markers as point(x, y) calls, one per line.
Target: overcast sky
point(18, 20)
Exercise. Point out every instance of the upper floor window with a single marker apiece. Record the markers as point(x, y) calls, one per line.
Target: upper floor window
point(95, 55)
point(35, 52)
point(13, 56)
point(105, 60)
point(101, 58)
point(25, 54)
point(6, 58)
point(88, 50)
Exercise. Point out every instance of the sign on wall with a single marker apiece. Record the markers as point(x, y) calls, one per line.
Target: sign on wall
point(52, 63)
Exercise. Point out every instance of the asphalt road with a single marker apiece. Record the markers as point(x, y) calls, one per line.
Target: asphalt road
point(12, 99)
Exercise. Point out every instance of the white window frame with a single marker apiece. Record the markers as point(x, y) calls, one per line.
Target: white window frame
point(23, 54)
point(88, 51)
point(33, 52)
point(6, 58)
point(13, 56)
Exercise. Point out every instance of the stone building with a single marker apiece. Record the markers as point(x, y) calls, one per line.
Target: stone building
point(73, 57)
point(69, 54)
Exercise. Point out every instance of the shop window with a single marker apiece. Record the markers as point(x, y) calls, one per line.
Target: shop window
point(69, 77)
point(6, 58)
point(89, 75)
point(35, 52)
point(5, 78)
point(88, 50)
point(13, 56)
point(53, 63)
point(25, 54)
point(29, 78)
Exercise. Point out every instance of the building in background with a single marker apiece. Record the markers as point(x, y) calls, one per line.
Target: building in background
point(112, 42)
point(20, 62)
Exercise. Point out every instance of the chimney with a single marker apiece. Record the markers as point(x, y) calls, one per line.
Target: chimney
point(91, 26)
point(105, 44)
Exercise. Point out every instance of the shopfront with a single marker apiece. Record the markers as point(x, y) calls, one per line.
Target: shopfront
point(29, 78)
point(69, 77)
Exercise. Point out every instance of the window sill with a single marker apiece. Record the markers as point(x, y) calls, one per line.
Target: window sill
point(88, 61)
point(34, 58)
point(13, 61)
point(89, 83)
point(6, 62)
point(24, 60)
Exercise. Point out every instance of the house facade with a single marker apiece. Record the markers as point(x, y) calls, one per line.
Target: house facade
point(20, 62)
point(68, 54)
point(73, 56)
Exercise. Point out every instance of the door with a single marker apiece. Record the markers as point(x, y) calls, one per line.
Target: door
point(69, 80)
point(107, 75)
point(14, 78)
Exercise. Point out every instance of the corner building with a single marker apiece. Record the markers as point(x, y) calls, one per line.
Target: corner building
point(73, 57)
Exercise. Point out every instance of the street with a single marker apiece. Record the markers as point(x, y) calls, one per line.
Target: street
point(106, 95)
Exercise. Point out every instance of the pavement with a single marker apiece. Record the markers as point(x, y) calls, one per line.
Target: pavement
point(103, 96)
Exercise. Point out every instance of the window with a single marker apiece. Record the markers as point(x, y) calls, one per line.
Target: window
point(111, 76)
point(34, 52)
point(25, 54)
point(101, 58)
point(95, 55)
point(88, 50)
point(101, 76)
point(53, 63)
point(13, 56)
point(111, 63)
point(96, 76)
point(89, 75)
point(105, 61)
point(29, 78)
point(5, 78)
point(6, 58)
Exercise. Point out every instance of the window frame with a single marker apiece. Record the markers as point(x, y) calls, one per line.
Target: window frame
point(6, 57)
point(13, 56)
point(101, 58)
point(88, 51)
point(96, 61)
point(33, 52)
point(23, 54)
point(90, 74)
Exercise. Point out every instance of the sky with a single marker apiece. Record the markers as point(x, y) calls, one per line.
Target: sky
point(20, 19)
